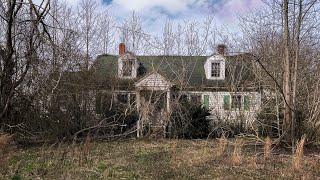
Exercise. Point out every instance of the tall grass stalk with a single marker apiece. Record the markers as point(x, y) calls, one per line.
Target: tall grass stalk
point(298, 155)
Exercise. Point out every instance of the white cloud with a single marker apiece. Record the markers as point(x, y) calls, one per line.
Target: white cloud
point(173, 6)
point(70, 2)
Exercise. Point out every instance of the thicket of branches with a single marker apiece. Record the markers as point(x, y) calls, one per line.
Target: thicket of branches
point(285, 39)
point(43, 47)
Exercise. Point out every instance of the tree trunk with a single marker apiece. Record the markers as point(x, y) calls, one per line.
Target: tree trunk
point(286, 73)
point(295, 65)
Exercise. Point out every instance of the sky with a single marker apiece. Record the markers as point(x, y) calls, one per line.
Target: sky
point(155, 12)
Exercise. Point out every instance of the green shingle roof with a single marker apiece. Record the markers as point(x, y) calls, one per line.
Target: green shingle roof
point(184, 70)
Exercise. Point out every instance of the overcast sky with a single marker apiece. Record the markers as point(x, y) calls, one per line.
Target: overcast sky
point(155, 12)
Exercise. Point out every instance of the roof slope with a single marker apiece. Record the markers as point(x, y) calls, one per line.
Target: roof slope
point(186, 71)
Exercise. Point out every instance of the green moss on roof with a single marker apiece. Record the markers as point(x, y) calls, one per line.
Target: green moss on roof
point(106, 65)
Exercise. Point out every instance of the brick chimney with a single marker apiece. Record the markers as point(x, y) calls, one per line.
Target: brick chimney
point(221, 49)
point(122, 49)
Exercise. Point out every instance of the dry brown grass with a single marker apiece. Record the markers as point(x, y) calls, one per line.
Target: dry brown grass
point(267, 148)
point(5, 140)
point(298, 155)
point(236, 155)
point(183, 156)
point(87, 146)
point(144, 159)
point(222, 145)
point(253, 162)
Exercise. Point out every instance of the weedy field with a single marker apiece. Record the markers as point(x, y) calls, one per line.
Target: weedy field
point(159, 159)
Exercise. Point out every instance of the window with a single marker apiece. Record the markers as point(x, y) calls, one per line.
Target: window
point(127, 68)
point(183, 98)
point(122, 98)
point(215, 69)
point(195, 99)
point(236, 102)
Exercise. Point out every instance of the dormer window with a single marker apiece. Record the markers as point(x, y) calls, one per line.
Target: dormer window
point(215, 69)
point(215, 65)
point(127, 68)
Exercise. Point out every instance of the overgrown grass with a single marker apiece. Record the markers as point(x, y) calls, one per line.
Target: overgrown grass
point(155, 159)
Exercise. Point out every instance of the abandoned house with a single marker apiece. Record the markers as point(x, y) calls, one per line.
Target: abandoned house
point(223, 83)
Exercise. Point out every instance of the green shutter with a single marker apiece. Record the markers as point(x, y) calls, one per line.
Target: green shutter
point(226, 102)
point(246, 102)
point(206, 101)
point(98, 103)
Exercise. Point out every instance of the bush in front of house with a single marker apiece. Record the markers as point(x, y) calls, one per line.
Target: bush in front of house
point(189, 121)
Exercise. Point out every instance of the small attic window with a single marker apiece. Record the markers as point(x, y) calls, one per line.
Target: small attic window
point(215, 69)
point(127, 68)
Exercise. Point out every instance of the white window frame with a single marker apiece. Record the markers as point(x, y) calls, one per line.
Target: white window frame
point(208, 67)
point(121, 65)
point(131, 63)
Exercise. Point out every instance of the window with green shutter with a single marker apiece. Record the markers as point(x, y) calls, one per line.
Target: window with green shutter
point(246, 103)
point(206, 101)
point(226, 102)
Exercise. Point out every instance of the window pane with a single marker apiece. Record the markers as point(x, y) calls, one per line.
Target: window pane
point(215, 69)
point(127, 67)
point(236, 102)
point(195, 99)
point(183, 98)
point(122, 98)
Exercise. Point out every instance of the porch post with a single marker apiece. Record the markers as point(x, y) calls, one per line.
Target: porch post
point(138, 109)
point(168, 100)
point(138, 99)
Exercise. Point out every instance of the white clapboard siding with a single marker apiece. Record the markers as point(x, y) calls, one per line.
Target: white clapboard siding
point(217, 111)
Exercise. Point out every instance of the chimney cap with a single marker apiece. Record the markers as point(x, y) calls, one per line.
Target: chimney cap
point(221, 49)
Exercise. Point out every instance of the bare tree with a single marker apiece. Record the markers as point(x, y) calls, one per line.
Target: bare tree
point(87, 18)
point(132, 34)
point(168, 38)
point(106, 32)
point(288, 40)
point(24, 26)
point(286, 68)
